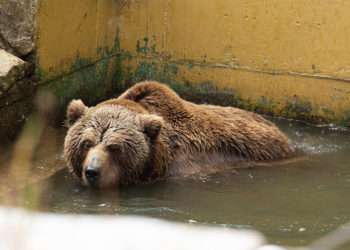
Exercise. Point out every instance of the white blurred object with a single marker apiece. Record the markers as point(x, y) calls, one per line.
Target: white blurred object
point(271, 247)
point(21, 230)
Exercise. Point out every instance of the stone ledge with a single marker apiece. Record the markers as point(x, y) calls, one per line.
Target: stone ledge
point(12, 69)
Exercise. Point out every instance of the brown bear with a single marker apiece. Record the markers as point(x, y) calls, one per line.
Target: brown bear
point(150, 133)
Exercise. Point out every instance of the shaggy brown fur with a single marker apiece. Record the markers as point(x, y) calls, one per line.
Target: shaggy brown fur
point(178, 137)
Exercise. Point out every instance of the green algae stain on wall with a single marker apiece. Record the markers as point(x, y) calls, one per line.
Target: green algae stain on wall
point(90, 80)
point(148, 64)
point(86, 64)
point(117, 70)
point(84, 82)
point(152, 65)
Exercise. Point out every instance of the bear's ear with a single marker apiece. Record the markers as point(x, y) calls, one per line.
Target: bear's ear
point(75, 110)
point(152, 125)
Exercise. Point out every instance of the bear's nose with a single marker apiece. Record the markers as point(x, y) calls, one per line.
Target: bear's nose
point(92, 175)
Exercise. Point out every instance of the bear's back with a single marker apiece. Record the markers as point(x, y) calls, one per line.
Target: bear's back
point(211, 129)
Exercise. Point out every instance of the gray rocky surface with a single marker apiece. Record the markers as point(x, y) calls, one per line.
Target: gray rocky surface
point(12, 69)
point(16, 93)
point(17, 26)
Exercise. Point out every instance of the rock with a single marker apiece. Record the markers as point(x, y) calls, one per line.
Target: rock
point(32, 231)
point(16, 88)
point(17, 26)
point(12, 69)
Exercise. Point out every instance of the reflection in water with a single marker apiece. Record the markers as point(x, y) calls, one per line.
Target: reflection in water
point(293, 203)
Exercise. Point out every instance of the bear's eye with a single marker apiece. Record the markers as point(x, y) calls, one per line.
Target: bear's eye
point(86, 145)
point(115, 147)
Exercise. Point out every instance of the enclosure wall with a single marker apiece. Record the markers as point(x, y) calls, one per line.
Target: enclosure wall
point(286, 58)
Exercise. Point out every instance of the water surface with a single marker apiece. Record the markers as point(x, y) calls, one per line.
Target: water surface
point(292, 204)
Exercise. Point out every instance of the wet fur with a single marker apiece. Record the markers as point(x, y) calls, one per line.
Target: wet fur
point(192, 138)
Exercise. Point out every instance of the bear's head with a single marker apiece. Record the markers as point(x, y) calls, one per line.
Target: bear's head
point(108, 145)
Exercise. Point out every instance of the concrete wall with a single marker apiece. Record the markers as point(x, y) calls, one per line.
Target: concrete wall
point(77, 48)
point(286, 58)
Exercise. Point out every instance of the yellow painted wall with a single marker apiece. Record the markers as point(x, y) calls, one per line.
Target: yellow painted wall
point(290, 52)
point(68, 30)
point(298, 37)
point(77, 48)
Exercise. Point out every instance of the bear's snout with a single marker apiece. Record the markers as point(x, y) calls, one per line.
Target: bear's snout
point(95, 164)
point(93, 169)
point(92, 173)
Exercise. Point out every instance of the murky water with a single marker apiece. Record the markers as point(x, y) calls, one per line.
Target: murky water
point(292, 204)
